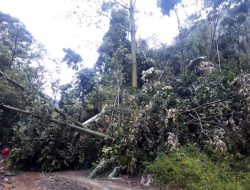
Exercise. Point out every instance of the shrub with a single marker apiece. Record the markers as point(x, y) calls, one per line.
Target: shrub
point(188, 168)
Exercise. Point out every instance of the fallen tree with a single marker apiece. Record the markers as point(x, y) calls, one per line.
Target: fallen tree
point(80, 129)
point(4, 76)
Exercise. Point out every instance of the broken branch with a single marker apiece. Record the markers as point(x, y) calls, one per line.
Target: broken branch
point(95, 118)
point(15, 83)
point(206, 104)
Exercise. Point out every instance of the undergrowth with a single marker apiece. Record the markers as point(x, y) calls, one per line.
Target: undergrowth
point(188, 168)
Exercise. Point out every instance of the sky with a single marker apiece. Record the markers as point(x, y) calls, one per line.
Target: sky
point(59, 24)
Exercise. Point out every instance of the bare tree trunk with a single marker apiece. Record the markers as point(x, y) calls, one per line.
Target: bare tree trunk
point(247, 44)
point(213, 35)
point(218, 53)
point(133, 54)
point(133, 44)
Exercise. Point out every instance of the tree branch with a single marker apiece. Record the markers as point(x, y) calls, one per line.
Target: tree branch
point(199, 119)
point(13, 52)
point(168, 61)
point(212, 117)
point(122, 5)
point(95, 118)
point(109, 17)
point(92, 119)
point(205, 104)
point(15, 83)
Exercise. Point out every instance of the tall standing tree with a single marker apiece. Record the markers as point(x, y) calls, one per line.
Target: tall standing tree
point(115, 50)
point(131, 9)
point(133, 43)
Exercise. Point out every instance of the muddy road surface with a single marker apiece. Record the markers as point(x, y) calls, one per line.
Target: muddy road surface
point(66, 180)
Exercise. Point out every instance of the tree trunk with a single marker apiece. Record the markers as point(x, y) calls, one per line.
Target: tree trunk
point(247, 44)
point(133, 44)
point(218, 53)
point(40, 94)
point(84, 130)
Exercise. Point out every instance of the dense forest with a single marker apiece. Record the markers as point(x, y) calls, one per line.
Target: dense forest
point(179, 113)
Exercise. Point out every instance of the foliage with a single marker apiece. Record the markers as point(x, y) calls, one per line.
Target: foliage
point(188, 168)
point(193, 99)
point(71, 58)
point(18, 50)
point(114, 53)
point(168, 5)
point(43, 146)
point(161, 127)
point(36, 144)
point(15, 40)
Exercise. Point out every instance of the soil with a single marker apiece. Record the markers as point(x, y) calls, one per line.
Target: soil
point(65, 180)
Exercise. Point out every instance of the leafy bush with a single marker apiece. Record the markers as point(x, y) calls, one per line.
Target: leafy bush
point(188, 168)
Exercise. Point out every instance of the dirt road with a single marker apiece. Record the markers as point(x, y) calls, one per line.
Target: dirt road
point(67, 180)
point(73, 180)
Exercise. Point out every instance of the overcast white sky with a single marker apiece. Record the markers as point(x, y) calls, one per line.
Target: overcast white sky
point(51, 24)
